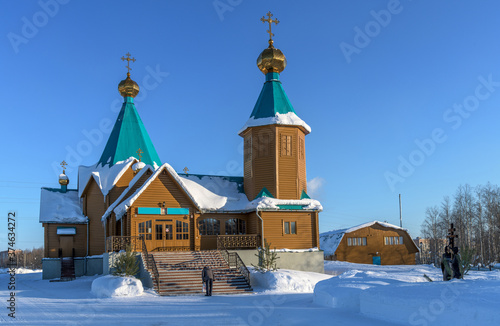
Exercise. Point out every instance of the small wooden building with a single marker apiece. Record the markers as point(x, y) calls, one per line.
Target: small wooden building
point(370, 243)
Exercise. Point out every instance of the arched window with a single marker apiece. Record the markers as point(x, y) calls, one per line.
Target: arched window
point(209, 226)
point(235, 226)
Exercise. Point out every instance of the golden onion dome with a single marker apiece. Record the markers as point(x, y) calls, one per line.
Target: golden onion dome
point(128, 87)
point(63, 179)
point(271, 60)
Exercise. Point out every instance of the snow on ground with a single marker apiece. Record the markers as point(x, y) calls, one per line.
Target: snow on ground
point(380, 291)
point(116, 286)
point(386, 295)
point(285, 281)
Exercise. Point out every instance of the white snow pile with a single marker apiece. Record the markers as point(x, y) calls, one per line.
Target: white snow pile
point(60, 207)
point(116, 286)
point(400, 294)
point(20, 270)
point(289, 118)
point(295, 250)
point(138, 166)
point(284, 280)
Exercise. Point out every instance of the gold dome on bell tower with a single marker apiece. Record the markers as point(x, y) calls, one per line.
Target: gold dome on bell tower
point(271, 59)
point(128, 87)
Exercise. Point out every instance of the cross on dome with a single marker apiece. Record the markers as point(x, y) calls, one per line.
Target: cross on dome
point(270, 21)
point(128, 59)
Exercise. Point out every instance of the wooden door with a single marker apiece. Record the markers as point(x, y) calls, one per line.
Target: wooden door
point(170, 234)
point(66, 244)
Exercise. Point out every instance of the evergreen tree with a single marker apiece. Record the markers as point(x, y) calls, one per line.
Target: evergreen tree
point(267, 259)
point(126, 263)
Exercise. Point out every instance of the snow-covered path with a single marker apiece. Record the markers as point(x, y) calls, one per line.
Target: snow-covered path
point(40, 302)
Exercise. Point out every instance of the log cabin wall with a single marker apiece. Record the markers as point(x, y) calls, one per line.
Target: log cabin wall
point(95, 208)
point(121, 185)
point(395, 254)
point(305, 228)
point(163, 192)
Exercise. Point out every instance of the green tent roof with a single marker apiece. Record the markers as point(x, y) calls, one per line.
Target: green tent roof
point(127, 136)
point(272, 99)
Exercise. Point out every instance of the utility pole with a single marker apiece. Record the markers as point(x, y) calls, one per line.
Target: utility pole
point(400, 213)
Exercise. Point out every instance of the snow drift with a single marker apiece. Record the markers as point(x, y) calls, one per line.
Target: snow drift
point(117, 286)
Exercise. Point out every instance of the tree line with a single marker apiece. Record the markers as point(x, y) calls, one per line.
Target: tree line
point(475, 213)
point(28, 258)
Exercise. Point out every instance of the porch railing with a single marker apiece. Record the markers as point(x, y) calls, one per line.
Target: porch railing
point(117, 243)
point(241, 241)
point(150, 263)
point(234, 261)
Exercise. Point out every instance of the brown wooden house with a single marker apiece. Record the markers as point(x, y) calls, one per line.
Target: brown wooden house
point(370, 243)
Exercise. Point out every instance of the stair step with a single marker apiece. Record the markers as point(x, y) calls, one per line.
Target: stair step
point(180, 273)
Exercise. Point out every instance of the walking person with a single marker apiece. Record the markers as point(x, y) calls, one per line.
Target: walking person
point(207, 276)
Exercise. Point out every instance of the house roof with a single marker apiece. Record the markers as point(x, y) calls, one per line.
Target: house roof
point(129, 135)
point(106, 176)
point(331, 240)
point(273, 107)
point(57, 206)
point(216, 194)
point(126, 191)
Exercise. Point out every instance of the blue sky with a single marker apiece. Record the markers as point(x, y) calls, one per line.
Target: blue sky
point(402, 96)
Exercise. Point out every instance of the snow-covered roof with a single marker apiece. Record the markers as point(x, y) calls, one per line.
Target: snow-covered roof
point(105, 176)
point(60, 207)
point(125, 192)
point(215, 194)
point(329, 241)
point(289, 118)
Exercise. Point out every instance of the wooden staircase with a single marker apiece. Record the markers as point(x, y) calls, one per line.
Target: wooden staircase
point(67, 268)
point(179, 273)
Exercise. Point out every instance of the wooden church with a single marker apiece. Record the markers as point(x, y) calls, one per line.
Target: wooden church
point(130, 195)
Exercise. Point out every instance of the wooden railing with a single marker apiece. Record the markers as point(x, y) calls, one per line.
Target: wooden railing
point(243, 241)
point(117, 243)
point(150, 263)
point(234, 261)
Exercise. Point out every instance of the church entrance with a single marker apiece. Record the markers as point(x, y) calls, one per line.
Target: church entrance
point(170, 234)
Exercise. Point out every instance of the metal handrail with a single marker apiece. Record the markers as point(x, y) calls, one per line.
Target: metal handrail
point(151, 264)
point(233, 259)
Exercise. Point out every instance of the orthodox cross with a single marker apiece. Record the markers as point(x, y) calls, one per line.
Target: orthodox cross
point(139, 152)
point(185, 170)
point(270, 21)
point(64, 164)
point(128, 58)
point(452, 236)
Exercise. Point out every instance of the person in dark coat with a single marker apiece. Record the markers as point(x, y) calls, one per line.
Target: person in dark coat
point(207, 275)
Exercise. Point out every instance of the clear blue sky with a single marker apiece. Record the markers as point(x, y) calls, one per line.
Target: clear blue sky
point(372, 79)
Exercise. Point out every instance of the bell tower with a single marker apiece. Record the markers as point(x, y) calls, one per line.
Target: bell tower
point(274, 136)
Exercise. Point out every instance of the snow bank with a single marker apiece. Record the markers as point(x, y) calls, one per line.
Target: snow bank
point(117, 286)
point(295, 250)
point(285, 280)
point(20, 270)
point(400, 294)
